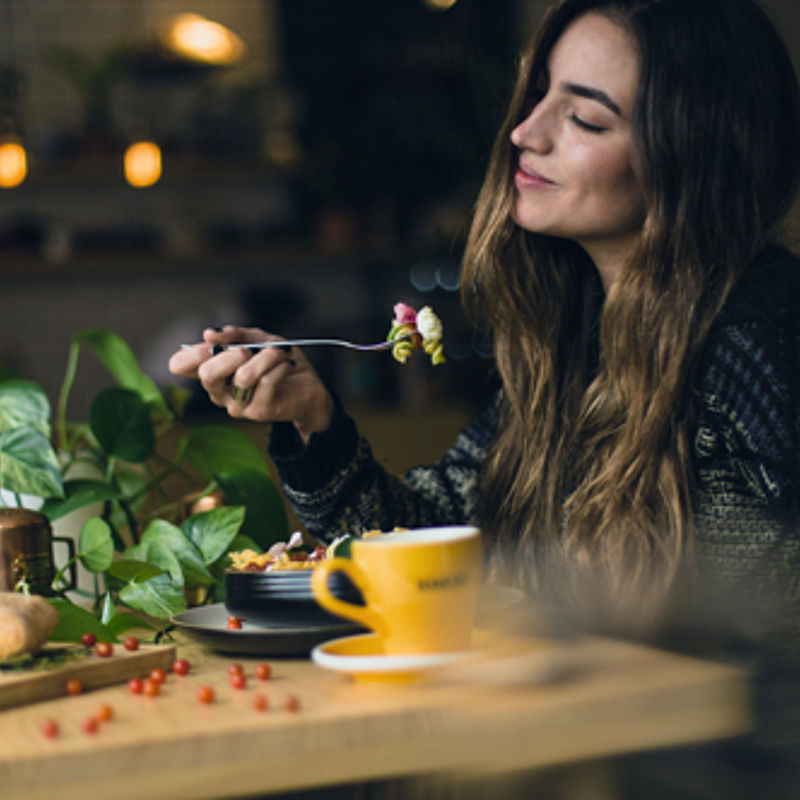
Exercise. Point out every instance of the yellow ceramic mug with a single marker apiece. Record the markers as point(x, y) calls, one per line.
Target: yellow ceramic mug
point(420, 587)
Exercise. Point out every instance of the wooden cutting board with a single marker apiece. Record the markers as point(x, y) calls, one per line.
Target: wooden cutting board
point(32, 685)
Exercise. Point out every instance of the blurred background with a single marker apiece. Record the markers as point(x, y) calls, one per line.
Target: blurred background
point(299, 165)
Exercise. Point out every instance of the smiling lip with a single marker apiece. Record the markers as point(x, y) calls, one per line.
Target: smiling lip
point(527, 178)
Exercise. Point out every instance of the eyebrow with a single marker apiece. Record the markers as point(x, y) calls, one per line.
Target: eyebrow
point(592, 94)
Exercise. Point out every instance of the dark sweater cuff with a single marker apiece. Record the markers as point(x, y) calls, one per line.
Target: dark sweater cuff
point(308, 467)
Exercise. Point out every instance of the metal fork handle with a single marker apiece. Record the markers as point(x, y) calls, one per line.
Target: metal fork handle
point(386, 345)
point(313, 342)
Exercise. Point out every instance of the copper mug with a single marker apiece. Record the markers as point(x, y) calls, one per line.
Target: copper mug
point(26, 551)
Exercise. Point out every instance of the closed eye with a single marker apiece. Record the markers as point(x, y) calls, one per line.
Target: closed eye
point(587, 126)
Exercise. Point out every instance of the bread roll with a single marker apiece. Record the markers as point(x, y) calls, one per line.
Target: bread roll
point(25, 623)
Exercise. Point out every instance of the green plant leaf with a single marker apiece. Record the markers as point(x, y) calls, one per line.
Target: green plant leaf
point(78, 493)
point(28, 463)
point(23, 403)
point(107, 609)
point(120, 421)
point(265, 520)
point(177, 397)
point(157, 596)
point(244, 542)
point(117, 357)
point(125, 621)
point(160, 554)
point(96, 545)
point(133, 489)
point(212, 532)
point(131, 569)
point(342, 549)
point(137, 552)
point(213, 449)
point(162, 540)
point(119, 622)
point(74, 621)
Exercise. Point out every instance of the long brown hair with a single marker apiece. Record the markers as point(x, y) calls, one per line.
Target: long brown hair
point(593, 459)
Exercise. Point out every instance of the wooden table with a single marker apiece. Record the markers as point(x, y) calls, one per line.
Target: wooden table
point(618, 698)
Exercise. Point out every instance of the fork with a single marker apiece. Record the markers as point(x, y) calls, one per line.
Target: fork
point(385, 345)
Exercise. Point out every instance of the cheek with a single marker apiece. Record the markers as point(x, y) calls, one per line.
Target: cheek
point(604, 168)
point(610, 178)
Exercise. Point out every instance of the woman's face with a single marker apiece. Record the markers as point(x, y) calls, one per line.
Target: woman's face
point(574, 177)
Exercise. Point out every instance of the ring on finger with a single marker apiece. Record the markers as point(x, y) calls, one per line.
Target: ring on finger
point(240, 394)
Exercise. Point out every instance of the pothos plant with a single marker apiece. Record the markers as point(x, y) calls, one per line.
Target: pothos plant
point(144, 553)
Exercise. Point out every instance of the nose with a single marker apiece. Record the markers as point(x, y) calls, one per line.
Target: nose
point(533, 132)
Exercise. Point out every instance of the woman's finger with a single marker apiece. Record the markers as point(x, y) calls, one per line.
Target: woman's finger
point(186, 362)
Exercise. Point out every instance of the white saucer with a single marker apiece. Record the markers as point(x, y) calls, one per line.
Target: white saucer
point(361, 658)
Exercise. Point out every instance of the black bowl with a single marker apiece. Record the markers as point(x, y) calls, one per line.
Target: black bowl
point(283, 598)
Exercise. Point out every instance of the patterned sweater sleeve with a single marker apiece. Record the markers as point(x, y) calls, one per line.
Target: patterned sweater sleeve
point(747, 441)
point(336, 486)
point(747, 498)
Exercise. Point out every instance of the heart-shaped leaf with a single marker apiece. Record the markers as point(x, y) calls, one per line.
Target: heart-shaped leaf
point(96, 545)
point(157, 596)
point(130, 569)
point(120, 421)
point(266, 519)
point(117, 357)
point(23, 403)
point(212, 532)
point(125, 621)
point(28, 463)
point(160, 555)
point(213, 449)
point(118, 622)
point(78, 493)
point(162, 537)
point(74, 621)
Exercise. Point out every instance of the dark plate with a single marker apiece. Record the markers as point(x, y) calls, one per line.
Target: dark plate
point(209, 626)
point(283, 598)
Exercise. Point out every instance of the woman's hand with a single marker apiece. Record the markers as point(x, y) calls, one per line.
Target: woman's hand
point(273, 384)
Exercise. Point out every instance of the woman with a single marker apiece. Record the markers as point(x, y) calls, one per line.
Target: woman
point(645, 325)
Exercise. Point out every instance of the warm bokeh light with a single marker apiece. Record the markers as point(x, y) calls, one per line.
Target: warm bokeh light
point(440, 5)
point(142, 164)
point(200, 39)
point(13, 164)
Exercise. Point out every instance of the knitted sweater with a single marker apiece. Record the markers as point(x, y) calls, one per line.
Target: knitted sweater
point(746, 447)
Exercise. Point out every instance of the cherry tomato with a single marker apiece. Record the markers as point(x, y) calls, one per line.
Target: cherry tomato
point(136, 685)
point(234, 623)
point(260, 702)
point(263, 672)
point(238, 680)
point(180, 666)
point(90, 725)
point(49, 728)
point(235, 668)
point(151, 688)
point(88, 640)
point(73, 686)
point(131, 643)
point(104, 649)
point(292, 703)
point(205, 694)
point(158, 674)
point(104, 713)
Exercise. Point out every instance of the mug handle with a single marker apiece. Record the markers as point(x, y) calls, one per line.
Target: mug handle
point(73, 566)
point(324, 596)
